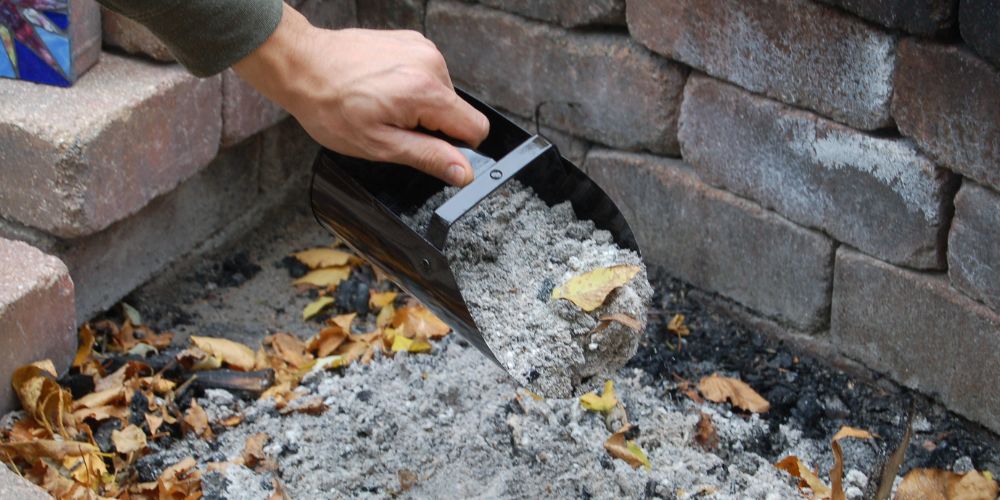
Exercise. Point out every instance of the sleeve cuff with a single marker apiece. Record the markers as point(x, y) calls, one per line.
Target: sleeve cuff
point(209, 36)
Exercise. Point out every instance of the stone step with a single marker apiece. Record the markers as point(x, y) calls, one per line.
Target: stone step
point(37, 316)
point(79, 159)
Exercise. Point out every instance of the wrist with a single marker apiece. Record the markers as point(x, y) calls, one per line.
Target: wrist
point(275, 67)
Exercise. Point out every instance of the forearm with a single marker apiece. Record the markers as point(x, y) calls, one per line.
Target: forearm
point(206, 36)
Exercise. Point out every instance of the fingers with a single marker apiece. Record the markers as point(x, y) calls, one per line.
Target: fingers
point(429, 155)
point(450, 114)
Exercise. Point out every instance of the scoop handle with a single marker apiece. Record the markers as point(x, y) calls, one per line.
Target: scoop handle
point(488, 179)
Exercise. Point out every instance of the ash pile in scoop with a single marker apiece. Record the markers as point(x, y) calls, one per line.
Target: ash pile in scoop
point(508, 254)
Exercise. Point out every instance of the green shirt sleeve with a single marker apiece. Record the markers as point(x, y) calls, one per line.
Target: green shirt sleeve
point(206, 36)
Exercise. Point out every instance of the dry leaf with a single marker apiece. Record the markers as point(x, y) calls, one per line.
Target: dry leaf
point(312, 405)
point(290, 349)
point(626, 450)
point(401, 343)
point(344, 321)
point(677, 326)
point(234, 354)
point(86, 345)
point(624, 319)
point(316, 258)
point(837, 472)
point(934, 484)
point(87, 469)
point(331, 276)
point(154, 422)
point(385, 316)
point(807, 478)
point(603, 403)
point(326, 341)
point(589, 290)
point(128, 439)
point(43, 398)
point(181, 480)
point(720, 389)
point(196, 420)
point(705, 433)
point(316, 306)
point(196, 359)
point(253, 450)
point(46, 448)
point(378, 300)
point(419, 322)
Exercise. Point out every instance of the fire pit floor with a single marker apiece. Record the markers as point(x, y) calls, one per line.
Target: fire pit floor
point(450, 424)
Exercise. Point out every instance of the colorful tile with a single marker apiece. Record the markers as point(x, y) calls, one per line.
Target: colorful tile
point(36, 41)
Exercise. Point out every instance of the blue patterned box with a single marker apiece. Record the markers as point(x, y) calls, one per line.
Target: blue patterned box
point(49, 41)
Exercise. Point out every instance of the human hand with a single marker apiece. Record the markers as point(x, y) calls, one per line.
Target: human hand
point(363, 92)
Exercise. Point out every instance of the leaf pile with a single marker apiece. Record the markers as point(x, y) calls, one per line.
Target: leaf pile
point(80, 435)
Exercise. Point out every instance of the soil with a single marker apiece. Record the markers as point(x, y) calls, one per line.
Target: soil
point(449, 423)
point(507, 254)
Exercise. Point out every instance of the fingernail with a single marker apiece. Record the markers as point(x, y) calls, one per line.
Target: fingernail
point(456, 175)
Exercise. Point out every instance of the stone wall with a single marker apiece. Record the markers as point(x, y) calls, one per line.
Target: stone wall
point(831, 166)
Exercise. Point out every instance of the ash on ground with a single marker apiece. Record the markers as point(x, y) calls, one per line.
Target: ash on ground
point(507, 254)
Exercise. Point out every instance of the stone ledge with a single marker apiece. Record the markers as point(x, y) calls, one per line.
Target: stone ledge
point(920, 331)
point(566, 13)
point(920, 17)
point(878, 194)
point(37, 319)
point(79, 159)
point(14, 487)
point(719, 242)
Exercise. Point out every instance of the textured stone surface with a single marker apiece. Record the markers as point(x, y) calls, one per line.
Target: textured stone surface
point(717, 241)
point(76, 160)
point(287, 152)
point(244, 110)
point(948, 100)
point(37, 319)
point(569, 13)
point(603, 87)
point(14, 487)
point(85, 34)
point(921, 17)
point(132, 37)
point(392, 14)
point(108, 265)
point(920, 331)
point(974, 244)
point(877, 194)
point(795, 51)
point(979, 21)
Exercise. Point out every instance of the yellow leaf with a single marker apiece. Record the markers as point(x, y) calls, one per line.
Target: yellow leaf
point(419, 322)
point(385, 316)
point(232, 353)
point(401, 343)
point(589, 290)
point(720, 389)
point(677, 326)
point(128, 439)
point(534, 396)
point(47, 366)
point(330, 276)
point(326, 341)
point(87, 469)
point(934, 484)
point(316, 258)
point(86, 345)
point(627, 450)
point(603, 403)
point(378, 300)
point(316, 306)
point(807, 478)
point(329, 363)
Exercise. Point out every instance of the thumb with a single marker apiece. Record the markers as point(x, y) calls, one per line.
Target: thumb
point(430, 155)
